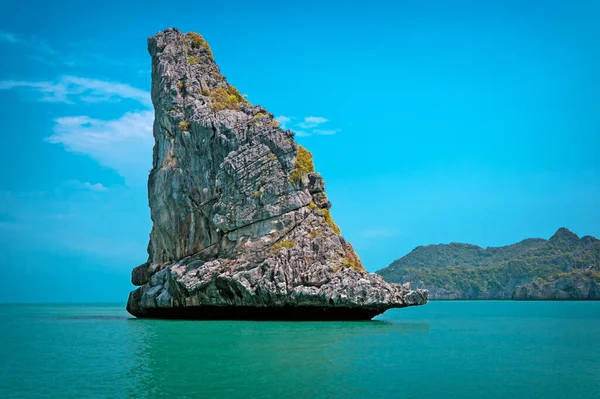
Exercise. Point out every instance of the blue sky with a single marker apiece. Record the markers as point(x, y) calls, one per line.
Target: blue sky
point(431, 121)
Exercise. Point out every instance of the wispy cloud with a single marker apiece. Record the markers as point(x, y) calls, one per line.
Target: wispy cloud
point(124, 144)
point(306, 127)
point(31, 43)
point(94, 187)
point(69, 89)
point(312, 121)
point(79, 53)
point(8, 37)
point(326, 132)
point(283, 121)
point(97, 187)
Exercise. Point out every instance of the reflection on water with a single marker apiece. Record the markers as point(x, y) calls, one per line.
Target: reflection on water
point(404, 326)
point(246, 359)
point(100, 318)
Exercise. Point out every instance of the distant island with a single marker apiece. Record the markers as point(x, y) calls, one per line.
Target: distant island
point(565, 267)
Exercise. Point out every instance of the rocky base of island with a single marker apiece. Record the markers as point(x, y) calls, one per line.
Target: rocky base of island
point(271, 290)
point(287, 313)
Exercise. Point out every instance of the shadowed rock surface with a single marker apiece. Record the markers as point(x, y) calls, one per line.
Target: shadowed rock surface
point(241, 223)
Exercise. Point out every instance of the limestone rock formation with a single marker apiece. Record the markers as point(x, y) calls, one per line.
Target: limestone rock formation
point(241, 222)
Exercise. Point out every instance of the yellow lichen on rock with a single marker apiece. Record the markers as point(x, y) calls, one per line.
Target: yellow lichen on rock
point(352, 259)
point(198, 41)
point(283, 244)
point(304, 164)
point(184, 126)
point(330, 221)
point(194, 60)
point(229, 98)
point(314, 234)
point(328, 218)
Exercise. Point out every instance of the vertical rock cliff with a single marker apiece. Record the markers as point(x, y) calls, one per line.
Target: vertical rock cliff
point(241, 222)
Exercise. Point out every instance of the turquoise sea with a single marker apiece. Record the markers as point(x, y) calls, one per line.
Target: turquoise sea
point(441, 350)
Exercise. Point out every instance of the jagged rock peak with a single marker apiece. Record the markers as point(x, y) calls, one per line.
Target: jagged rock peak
point(241, 222)
point(564, 233)
point(564, 238)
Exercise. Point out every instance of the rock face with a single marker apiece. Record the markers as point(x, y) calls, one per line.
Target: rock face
point(563, 267)
point(241, 222)
point(581, 285)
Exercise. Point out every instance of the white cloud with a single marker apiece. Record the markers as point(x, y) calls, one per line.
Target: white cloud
point(69, 89)
point(312, 121)
point(326, 132)
point(32, 43)
point(95, 187)
point(124, 144)
point(306, 127)
point(98, 187)
point(8, 37)
point(283, 121)
point(79, 53)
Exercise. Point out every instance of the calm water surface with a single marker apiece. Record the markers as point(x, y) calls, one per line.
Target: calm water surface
point(441, 350)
